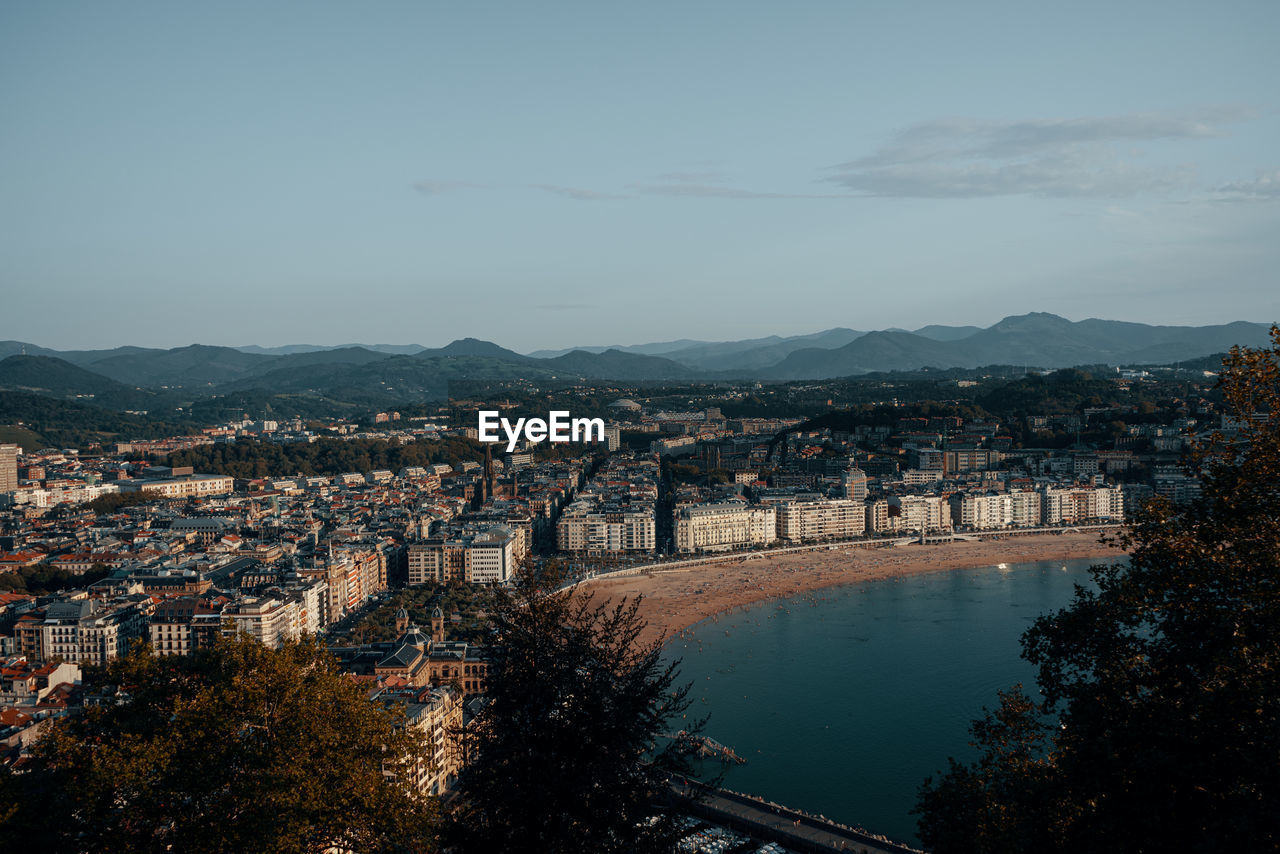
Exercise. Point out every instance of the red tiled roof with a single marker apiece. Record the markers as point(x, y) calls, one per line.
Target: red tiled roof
point(13, 717)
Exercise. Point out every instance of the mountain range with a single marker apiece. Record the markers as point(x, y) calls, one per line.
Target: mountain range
point(130, 377)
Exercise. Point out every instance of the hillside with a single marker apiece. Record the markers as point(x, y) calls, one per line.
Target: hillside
point(59, 378)
point(356, 376)
point(194, 365)
point(1036, 340)
point(67, 424)
point(617, 365)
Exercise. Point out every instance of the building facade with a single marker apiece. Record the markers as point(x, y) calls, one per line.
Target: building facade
point(598, 530)
point(723, 525)
point(996, 510)
point(486, 555)
point(807, 521)
point(9, 467)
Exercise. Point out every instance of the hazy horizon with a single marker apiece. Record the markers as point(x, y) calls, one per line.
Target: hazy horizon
point(135, 342)
point(557, 174)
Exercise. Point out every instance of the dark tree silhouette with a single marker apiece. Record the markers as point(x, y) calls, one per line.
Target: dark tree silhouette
point(1158, 724)
point(572, 751)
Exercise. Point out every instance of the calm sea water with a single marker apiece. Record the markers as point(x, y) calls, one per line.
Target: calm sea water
point(843, 700)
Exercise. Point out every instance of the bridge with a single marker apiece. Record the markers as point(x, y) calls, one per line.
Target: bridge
point(793, 829)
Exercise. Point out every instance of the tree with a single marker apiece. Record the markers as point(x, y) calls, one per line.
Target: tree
point(234, 748)
point(572, 750)
point(43, 578)
point(1158, 724)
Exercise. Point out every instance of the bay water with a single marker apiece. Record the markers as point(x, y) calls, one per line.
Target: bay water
point(843, 700)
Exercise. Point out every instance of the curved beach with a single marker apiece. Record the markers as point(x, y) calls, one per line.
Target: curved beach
point(677, 598)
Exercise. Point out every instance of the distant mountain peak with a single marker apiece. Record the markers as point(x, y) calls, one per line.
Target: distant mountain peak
point(474, 347)
point(1031, 317)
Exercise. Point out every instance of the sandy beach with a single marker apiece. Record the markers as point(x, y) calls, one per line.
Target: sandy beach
point(676, 599)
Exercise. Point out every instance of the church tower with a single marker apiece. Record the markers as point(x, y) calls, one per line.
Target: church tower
point(437, 625)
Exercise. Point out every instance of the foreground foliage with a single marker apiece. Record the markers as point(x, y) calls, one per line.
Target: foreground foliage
point(1158, 725)
point(236, 748)
point(570, 754)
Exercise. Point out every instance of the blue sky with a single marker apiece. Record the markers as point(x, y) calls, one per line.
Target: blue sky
point(549, 174)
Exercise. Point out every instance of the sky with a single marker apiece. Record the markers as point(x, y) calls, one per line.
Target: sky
point(553, 174)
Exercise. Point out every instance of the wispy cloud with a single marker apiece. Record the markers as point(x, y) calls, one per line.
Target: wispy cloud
point(563, 306)
point(963, 157)
point(1066, 174)
point(961, 137)
point(436, 188)
point(577, 193)
point(1264, 187)
point(958, 158)
point(717, 191)
point(705, 176)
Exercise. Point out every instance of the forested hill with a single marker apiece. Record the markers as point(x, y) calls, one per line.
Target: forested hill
point(66, 424)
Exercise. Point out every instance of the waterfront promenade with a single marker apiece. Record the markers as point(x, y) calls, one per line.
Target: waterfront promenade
point(677, 594)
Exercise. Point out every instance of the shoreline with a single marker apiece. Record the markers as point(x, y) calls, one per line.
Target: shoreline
point(673, 600)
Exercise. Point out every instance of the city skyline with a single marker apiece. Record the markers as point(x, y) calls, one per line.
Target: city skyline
point(576, 175)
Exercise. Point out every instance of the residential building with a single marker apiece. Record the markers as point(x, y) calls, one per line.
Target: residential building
point(269, 620)
point(919, 513)
point(1069, 505)
point(723, 525)
point(182, 486)
point(181, 626)
point(853, 485)
point(996, 510)
point(84, 631)
point(9, 467)
point(435, 712)
point(482, 555)
point(807, 521)
point(591, 528)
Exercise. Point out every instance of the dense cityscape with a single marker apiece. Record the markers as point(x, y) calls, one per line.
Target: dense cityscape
point(166, 542)
point(663, 428)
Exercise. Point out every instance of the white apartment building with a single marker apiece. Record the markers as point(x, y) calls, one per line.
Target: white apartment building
point(267, 619)
point(996, 510)
point(853, 484)
point(195, 485)
point(920, 513)
point(877, 515)
point(83, 632)
point(1066, 505)
point(486, 556)
point(105, 637)
point(724, 525)
point(76, 493)
point(492, 556)
point(437, 714)
point(590, 529)
point(805, 521)
point(311, 598)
